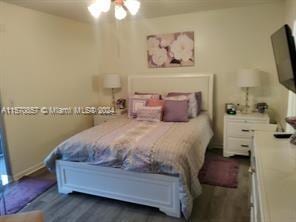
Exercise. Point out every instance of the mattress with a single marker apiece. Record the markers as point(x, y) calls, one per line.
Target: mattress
point(171, 148)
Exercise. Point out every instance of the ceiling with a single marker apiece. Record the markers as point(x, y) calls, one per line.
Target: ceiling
point(77, 9)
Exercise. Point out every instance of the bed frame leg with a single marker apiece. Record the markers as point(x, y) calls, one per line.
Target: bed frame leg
point(64, 191)
point(171, 212)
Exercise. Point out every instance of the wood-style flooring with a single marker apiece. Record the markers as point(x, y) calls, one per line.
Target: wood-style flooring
point(216, 204)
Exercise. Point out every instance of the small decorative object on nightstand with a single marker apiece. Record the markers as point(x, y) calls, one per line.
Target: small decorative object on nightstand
point(238, 132)
point(99, 119)
point(121, 103)
point(261, 107)
point(230, 108)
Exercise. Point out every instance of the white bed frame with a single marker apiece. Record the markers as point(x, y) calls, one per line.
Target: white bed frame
point(154, 190)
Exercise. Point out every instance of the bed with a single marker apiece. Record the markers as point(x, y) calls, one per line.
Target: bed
point(154, 164)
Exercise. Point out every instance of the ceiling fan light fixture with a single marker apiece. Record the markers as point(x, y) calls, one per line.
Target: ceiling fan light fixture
point(133, 6)
point(121, 7)
point(94, 10)
point(120, 13)
point(104, 5)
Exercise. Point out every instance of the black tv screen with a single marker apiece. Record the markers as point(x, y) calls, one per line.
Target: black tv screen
point(285, 56)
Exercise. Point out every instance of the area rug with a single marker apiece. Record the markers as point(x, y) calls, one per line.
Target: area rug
point(219, 171)
point(19, 194)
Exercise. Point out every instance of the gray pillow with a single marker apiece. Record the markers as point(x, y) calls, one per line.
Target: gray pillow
point(199, 101)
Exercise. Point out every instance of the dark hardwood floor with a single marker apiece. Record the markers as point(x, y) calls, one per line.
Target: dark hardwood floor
point(216, 204)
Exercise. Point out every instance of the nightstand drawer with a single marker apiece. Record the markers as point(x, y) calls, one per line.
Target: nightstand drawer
point(244, 130)
point(239, 145)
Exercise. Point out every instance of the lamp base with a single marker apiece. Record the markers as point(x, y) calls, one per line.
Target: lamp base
point(246, 110)
point(113, 100)
point(246, 107)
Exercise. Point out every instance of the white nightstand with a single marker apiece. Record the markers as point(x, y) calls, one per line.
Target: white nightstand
point(239, 130)
point(99, 119)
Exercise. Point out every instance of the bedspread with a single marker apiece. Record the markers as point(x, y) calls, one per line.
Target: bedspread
point(176, 149)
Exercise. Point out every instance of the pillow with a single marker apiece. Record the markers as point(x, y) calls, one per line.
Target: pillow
point(199, 101)
point(175, 110)
point(149, 113)
point(155, 102)
point(192, 110)
point(142, 96)
point(177, 98)
point(134, 104)
point(153, 95)
point(198, 97)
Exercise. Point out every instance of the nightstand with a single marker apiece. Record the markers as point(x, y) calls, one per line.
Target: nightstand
point(99, 119)
point(239, 130)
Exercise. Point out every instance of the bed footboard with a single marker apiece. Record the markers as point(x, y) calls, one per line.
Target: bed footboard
point(153, 190)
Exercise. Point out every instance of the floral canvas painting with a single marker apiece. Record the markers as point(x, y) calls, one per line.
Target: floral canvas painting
point(170, 50)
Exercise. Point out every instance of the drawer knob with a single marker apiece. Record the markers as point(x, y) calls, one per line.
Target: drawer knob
point(245, 146)
point(245, 130)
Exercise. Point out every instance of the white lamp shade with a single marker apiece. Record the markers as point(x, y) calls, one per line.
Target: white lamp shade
point(112, 81)
point(248, 78)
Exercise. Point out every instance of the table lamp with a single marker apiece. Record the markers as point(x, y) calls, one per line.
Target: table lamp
point(112, 81)
point(246, 79)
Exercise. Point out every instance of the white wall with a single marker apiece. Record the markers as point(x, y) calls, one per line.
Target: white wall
point(290, 12)
point(225, 41)
point(44, 61)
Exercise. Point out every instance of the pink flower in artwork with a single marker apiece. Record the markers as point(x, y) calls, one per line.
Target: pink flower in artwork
point(159, 56)
point(153, 44)
point(182, 48)
point(171, 50)
point(166, 40)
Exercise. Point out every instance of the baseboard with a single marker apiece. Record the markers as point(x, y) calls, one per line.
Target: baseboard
point(28, 171)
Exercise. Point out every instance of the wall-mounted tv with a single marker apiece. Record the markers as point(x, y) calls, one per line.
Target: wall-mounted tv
point(285, 56)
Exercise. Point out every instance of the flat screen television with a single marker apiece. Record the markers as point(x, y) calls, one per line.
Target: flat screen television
point(285, 56)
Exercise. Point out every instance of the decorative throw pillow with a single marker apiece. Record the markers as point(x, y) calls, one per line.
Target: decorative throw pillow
point(198, 97)
point(177, 98)
point(153, 95)
point(192, 110)
point(149, 113)
point(143, 96)
point(175, 110)
point(134, 104)
point(155, 102)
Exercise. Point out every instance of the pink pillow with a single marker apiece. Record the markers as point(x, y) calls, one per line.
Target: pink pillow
point(150, 113)
point(153, 95)
point(175, 110)
point(155, 102)
point(198, 102)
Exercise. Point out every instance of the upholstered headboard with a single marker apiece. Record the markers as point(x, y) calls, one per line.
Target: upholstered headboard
point(165, 83)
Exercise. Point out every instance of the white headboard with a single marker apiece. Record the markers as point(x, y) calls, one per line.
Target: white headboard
point(176, 83)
